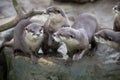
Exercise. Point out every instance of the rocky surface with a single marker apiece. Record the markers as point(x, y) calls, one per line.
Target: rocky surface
point(102, 66)
point(77, 1)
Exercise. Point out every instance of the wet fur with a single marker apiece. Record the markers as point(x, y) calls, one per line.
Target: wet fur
point(111, 37)
point(57, 19)
point(27, 38)
point(81, 33)
point(116, 9)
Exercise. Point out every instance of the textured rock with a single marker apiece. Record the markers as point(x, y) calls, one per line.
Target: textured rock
point(101, 66)
point(77, 1)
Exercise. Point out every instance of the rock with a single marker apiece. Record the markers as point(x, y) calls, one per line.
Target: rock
point(3, 65)
point(108, 59)
point(101, 66)
point(6, 9)
point(77, 1)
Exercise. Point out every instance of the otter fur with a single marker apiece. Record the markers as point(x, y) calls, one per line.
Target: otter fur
point(57, 19)
point(27, 38)
point(109, 37)
point(116, 24)
point(78, 37)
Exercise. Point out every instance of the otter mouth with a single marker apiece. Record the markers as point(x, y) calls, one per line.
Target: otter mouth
point(36, 37)
point(33, 37)
point(100, 39)
point(58, 38)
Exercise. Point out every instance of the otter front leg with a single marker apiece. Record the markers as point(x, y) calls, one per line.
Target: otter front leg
point(63, 50)
point(33, 58)
point(79, 56)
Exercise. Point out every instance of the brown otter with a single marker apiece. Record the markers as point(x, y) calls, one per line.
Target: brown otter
point(78, 37)
point(57, 19)
point(116, 25)
point(27, 38)
point(109, 37)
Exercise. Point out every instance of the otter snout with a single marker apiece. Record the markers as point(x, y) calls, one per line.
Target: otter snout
point(56, 37)
point(38, 34)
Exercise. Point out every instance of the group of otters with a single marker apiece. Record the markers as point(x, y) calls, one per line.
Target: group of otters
point(70, 41)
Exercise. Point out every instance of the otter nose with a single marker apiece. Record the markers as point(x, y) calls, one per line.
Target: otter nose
point(55, 34)
point(38, 33)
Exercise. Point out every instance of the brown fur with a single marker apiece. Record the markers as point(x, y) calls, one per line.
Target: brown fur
point(116, 25)
point(109, 34)
point(111, 38)
point(57, 19)
point(81, 34)
point(27, 38)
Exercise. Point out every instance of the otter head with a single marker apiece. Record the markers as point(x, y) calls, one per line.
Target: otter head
point(57, 18)
point(106, 34)
point(63, 34)
point(116, 8)
point(54, 9)
point(109, 37)
point(34, 31)
point(67, 35)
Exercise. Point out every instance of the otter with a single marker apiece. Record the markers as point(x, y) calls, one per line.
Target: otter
point(109, 37)
point(78, 37)
point(116, 24)
point(57, 19)
point(27, 38)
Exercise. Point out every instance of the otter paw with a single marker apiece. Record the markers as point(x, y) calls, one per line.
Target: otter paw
point(77, 57)
point(34, 59)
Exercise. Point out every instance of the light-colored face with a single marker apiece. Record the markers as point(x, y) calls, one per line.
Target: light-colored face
point(107, 42)
point(34, 32)
point(106, 37)
point(65, 35)
point(116, 8)
point(56, 21)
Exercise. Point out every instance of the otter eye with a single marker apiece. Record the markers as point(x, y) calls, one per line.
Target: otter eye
point(60, 34)
point(110, 38)
point(26, 28)
point(71, 36)
point(115, 8)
